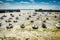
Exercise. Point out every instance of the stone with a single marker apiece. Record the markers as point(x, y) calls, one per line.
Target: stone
point(29, 15)
point(22, 26)
point(17, 18)
point(10, 24)
point(15, 21)
point(32, 21)
point(27, 18)
point(9, 20)
point(27, 38)
point(4, 16)
point(43, 25)
point(35, 27)
point(0, 24)
point(1, 18)
point(11, 15)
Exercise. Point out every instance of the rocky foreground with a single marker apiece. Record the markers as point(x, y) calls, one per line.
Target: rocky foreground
point(27, 25)
point(24, 34)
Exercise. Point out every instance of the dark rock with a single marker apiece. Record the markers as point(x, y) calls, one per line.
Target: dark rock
point(47, 19)
point(55, 16)
point(11, 15)
point(44, 26)
point(1, 18)
point(10, 24)
point(35, 27)
point(15, 21)
point(59, 22)
point(37, 18)
point(58, 27)
point(27, 18)
point(27, 38)
point(0, 24)
point(10, 18)
point(29, 15)
point(6, 21)
point(32, 21)
point(7, 27)
point(4, 16)
point(17, 18)
point(44, 21)
point(22, 26)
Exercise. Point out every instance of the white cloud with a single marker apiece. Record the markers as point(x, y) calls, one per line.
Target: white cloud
point(39, 6)
point(44, 3)
point(54, 1)
point(6, 4)
point(1, 2)
point(32, 0)
point(22, 2)
point(32, 7)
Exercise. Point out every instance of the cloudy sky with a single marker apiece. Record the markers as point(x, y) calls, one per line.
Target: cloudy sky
point(30, 4)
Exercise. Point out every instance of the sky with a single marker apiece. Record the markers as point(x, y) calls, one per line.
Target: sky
point(30, 4)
